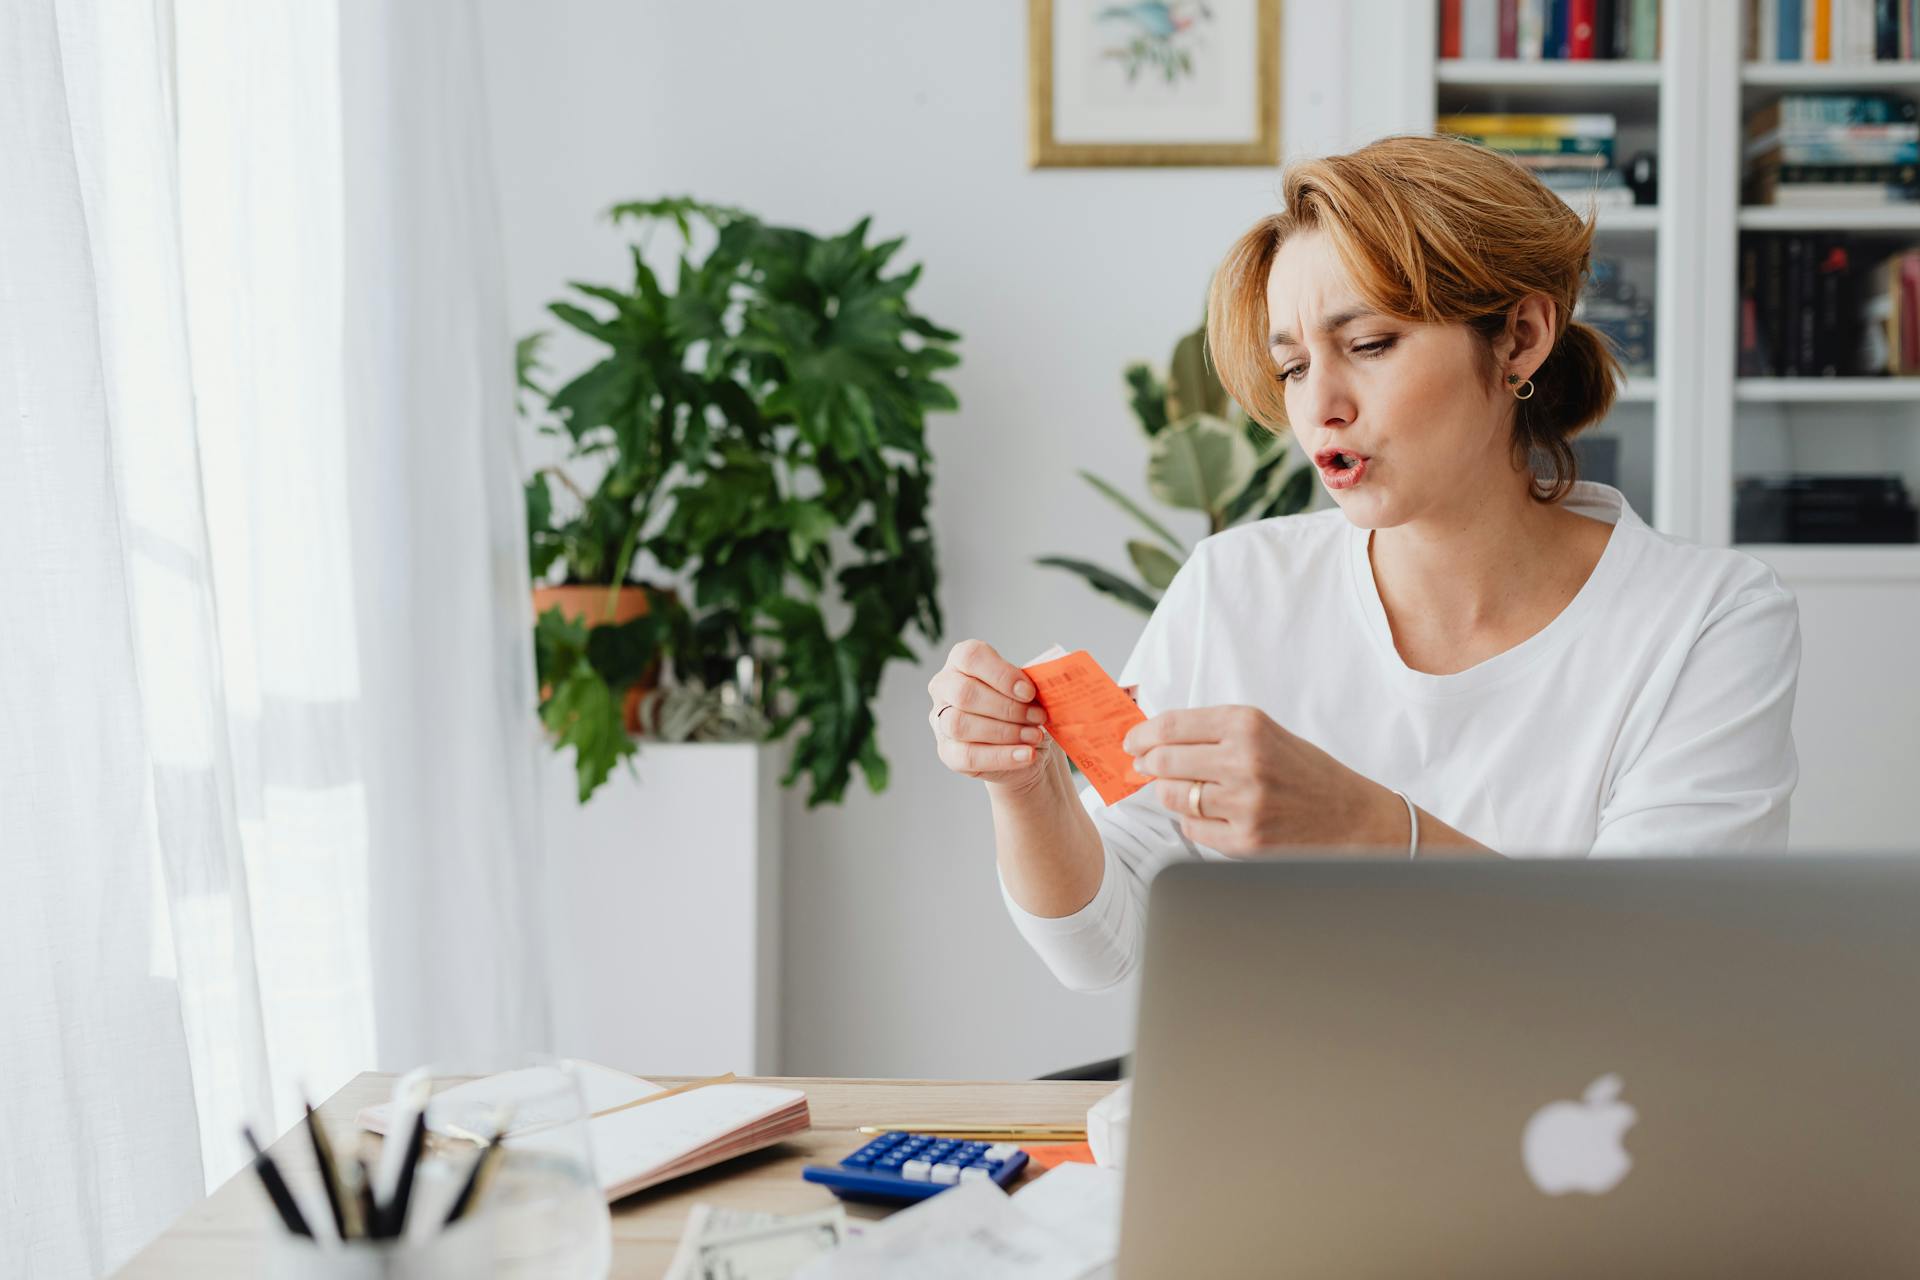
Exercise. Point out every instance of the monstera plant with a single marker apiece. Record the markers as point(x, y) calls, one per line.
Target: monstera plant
point(742, 506)
point(1205, 455)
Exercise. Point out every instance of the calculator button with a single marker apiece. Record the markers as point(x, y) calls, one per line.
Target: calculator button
point(915, 1170)
point(858, 1160)
point(946, 1173)
point(1001, 1151)
point(975, 1173)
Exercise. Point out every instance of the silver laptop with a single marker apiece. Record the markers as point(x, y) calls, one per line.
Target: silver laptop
point(1681, 1067)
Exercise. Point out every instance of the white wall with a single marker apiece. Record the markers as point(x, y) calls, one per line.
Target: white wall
point(899, 958)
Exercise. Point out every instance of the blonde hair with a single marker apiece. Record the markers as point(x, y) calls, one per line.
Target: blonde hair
point(1433, 230)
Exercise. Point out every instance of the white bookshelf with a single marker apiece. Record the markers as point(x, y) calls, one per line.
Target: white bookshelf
point(1699, 427)
point(1827, 390)
point(1893, 221)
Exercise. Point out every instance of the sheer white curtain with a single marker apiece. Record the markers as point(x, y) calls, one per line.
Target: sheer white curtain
point(266, 807)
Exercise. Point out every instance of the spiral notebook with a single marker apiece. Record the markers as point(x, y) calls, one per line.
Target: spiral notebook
point(634, 1146)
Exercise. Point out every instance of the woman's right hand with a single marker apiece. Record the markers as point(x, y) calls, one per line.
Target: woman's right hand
point(984, 719)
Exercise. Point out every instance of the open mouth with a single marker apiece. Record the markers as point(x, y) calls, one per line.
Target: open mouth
point(1342, 468)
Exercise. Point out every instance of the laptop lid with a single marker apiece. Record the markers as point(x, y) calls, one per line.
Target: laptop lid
point(1702, 1066)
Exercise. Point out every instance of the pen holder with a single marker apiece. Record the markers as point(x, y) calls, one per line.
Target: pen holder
point(463, 1250)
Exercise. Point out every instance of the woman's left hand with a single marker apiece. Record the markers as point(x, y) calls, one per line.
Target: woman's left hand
point(1264, 787)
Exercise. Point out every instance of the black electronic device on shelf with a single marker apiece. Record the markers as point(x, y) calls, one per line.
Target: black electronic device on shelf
point(1803, 508)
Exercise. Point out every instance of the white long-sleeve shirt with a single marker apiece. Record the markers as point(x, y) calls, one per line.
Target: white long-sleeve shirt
point(1653, 715)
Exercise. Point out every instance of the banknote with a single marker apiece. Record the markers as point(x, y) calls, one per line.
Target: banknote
point(737, 1244)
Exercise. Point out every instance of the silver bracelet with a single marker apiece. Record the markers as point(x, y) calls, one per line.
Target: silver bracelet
point(1413, 817)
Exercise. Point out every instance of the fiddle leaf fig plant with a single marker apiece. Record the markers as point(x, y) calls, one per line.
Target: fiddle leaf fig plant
point(1204, 454)
point(755, 427)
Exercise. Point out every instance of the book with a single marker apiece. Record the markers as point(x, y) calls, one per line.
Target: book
point(1831, 109)
point(1532, 30)
point(1644, 41)
point(1509, 37)
point(1580, 30)
point(1450, 28)
point(1479, 29)
point(1592, 125)
point(1575, 149)
point(634, 1146)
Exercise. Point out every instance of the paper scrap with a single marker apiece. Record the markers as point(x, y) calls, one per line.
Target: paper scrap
point(1077, 1202)
point(964, 1232)
point(1089, 715)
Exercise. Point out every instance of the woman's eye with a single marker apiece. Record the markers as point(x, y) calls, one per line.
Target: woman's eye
point(1287, 374)
point(1375, 348)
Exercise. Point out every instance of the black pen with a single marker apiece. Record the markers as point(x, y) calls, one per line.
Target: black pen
point(394, 1212)
point(329, 1171)
point(477, 1180)
point(277, 1187)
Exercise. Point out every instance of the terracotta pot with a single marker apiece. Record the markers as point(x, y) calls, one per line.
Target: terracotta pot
point(589, 605)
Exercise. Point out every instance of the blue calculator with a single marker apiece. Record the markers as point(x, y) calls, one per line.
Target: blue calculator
point(913, 1166)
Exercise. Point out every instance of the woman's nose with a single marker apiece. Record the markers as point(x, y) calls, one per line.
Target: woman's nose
point(1329, 399)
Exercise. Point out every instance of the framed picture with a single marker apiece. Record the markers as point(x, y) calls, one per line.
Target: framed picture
point(1179, 82)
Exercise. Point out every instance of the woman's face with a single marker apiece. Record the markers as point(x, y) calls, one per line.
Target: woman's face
point(1411, 402)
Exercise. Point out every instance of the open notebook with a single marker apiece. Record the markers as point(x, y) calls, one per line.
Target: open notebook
point(633, 1148)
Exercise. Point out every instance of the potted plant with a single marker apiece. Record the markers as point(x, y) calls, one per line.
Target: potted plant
point(756, 430)
point(1205, 454)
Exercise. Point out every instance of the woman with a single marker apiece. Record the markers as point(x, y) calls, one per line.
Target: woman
point(1463, 658)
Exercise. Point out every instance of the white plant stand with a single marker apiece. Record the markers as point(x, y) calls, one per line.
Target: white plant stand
point(664, 910)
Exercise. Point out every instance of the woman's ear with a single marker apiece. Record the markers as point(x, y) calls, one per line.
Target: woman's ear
point(1529, 335)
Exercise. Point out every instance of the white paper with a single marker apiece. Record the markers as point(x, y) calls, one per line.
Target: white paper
point(1079, 1203)
point(470, 1107)
point(970, 1231)
point(1107, 1123)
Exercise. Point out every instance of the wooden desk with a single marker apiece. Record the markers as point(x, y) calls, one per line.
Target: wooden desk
point(221, 1236)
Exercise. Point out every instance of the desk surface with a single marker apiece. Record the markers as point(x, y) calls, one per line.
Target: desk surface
point(222, 1234)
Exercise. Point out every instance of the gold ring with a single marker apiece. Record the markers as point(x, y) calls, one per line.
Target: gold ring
point(1193, 799)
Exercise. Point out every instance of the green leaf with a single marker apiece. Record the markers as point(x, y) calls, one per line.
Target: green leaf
point(1188, 392)
point(584, 714)
point(1295, 494)
point(1102, 580)
point(1199, 463)
point(1156, 567)
point(586, 322)
point(526, 359)
point(1259, 491)
point(1131, 508)
point(1149, 398)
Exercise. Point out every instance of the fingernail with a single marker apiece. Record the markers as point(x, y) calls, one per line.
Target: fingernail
point(1029, 735)
point(1023, 691)
point(1036, 715)
point(1023, 753)
point(1126, 744)
point(1136, 765)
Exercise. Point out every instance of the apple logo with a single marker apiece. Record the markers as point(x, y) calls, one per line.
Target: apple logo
point(1575, 1146)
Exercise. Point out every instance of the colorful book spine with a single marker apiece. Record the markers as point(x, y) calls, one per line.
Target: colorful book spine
point(1645, 40)
point(1588, 125)
point(1580, 35)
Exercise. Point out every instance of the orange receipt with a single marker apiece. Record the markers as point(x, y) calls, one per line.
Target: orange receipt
point(1088, 715)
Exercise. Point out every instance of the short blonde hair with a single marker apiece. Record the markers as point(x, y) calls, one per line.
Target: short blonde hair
point(1434, 230)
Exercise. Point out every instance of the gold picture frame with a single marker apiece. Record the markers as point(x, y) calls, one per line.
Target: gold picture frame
point(1046, 151)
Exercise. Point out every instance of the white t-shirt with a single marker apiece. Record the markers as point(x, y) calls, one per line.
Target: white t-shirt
point(1653, 715)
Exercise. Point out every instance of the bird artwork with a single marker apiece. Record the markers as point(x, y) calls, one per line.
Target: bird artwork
point(1157, 35)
